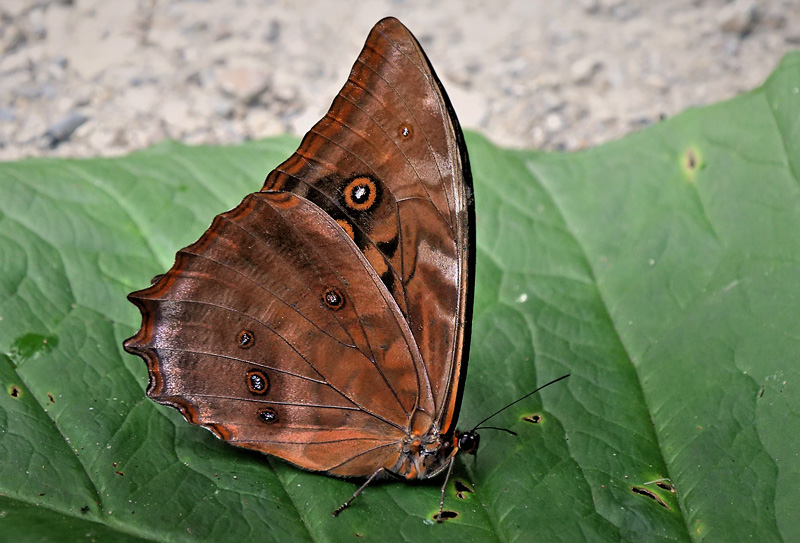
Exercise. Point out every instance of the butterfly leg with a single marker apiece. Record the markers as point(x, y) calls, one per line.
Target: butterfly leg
point(444, 487)
point(357, 492)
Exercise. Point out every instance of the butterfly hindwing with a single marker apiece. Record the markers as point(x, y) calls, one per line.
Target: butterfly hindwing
point(306, 350)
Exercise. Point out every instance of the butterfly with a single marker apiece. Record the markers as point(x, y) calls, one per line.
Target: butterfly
point(326, 319)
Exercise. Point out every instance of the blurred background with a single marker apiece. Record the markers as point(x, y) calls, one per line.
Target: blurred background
point(100, 78)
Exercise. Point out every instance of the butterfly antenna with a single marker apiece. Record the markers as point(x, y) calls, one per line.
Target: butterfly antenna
point(478, 426)
point(506, 430)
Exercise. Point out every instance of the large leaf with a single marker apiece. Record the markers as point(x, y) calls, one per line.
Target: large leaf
point(662, 271)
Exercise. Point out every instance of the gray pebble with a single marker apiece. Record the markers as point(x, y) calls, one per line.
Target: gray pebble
point(62, 129)
point(738, 17)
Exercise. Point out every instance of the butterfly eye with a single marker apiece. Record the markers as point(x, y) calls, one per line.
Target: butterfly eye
point(468, 442)
point(257, 382)
point(360, 193)
point(269, 416)
point(246, 339)
point(333, 299)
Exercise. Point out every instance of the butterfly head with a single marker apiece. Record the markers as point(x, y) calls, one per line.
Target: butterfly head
point(468, 441)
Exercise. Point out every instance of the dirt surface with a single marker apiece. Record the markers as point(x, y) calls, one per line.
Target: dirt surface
point(92, 77)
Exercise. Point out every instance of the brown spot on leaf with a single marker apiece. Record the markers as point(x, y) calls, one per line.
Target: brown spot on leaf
point(691, 163)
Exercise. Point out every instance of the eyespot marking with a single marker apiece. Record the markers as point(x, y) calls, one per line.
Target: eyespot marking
point(333, 299)
point(268, 416)
point(257, 382)
point(246, 339)
point(360, 194)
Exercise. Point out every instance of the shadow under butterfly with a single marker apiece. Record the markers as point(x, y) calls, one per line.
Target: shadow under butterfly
point(325, 320)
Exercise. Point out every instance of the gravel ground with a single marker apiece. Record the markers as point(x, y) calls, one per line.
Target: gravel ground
point(93, 77)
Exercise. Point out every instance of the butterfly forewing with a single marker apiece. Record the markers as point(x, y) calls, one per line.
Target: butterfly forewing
point(392, 126)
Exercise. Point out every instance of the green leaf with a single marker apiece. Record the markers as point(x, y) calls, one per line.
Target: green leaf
point(662, 271)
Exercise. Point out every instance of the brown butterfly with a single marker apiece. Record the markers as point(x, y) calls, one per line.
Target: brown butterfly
point(325, 320)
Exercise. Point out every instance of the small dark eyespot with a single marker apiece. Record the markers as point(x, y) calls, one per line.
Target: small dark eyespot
point(333, 299)
point(257, 382)
point(268, 415)
point(246, 339)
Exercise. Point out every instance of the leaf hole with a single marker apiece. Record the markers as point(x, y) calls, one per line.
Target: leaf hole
point(446, 515)
point(14, 391)
point(257, 382)
point(245, 339)
point(650, 494)
point(333, 299)
point(462, 488)
point(50, 397)
point(269, 416)
point(666, 486)
point(536, 418)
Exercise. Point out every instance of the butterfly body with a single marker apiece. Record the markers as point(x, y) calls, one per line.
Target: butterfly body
point(423, 457)
point(325, 320)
